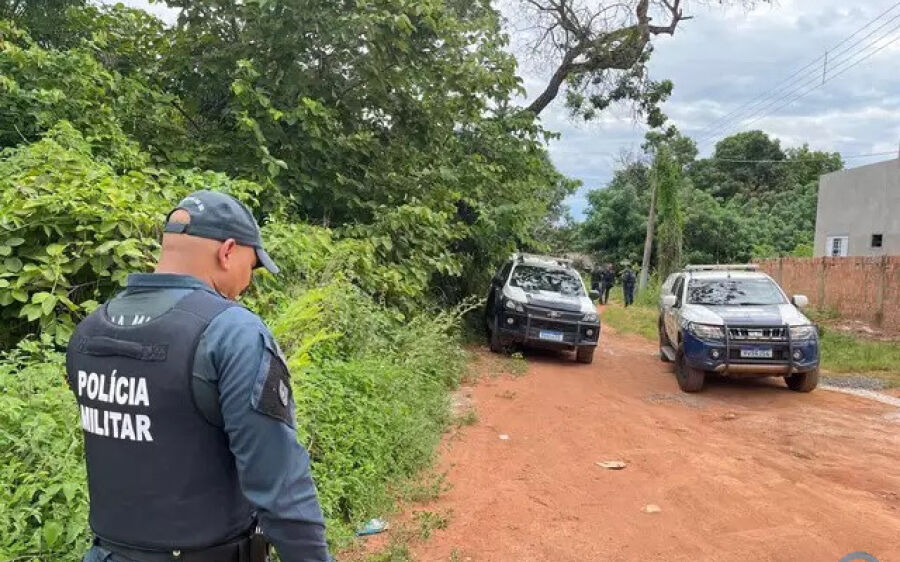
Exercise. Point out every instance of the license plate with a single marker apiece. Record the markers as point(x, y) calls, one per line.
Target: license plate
point(551, 336)
point(756, 353)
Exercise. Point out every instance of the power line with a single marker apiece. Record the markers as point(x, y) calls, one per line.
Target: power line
point(760, 100)
point(784, 84)
point(815, 84)
point(798, 71)
point(761, 109)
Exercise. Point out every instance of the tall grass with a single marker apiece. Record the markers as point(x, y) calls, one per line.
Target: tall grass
point(845, 353)
point(371, 393)
point(641, 318)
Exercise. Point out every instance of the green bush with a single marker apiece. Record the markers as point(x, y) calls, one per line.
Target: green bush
point(72, 228)
point(43, 488)
point(371, 394)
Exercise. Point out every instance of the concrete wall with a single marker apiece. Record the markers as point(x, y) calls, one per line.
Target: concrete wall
point(858, 203)
point(866, 289)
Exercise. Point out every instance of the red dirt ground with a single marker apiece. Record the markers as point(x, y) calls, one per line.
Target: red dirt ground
point(745, 471)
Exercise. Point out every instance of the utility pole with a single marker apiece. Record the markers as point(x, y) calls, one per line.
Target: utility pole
point(825, 68)
point(648, 241)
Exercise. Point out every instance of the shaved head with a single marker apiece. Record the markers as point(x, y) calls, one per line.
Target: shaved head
point(226, 266)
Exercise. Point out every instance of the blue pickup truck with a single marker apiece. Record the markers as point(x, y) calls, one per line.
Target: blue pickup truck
point(735, 321)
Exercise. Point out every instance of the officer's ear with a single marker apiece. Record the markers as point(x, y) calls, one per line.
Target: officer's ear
point(225, 253)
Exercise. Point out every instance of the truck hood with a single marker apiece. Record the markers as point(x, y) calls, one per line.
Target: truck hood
point(550, 299)
point(767, 315)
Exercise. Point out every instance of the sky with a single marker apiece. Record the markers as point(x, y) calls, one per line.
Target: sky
point(724, 58)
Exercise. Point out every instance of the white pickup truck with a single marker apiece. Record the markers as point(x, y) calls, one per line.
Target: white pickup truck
point(735, 321)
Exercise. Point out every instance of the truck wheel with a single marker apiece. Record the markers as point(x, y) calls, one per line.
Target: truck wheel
point(585, 354)
point(803, 382)
point(494, 341)
point(663, 341)
point(689, 379)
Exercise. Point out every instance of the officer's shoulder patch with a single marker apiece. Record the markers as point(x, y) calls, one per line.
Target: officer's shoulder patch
point(274, 397)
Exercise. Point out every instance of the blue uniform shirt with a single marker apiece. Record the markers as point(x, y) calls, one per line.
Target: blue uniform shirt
point(230, 367)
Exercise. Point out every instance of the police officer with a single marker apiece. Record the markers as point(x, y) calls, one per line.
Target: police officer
point(609, 279)
point(186, 406)
point(597, 279)
point(628, 280)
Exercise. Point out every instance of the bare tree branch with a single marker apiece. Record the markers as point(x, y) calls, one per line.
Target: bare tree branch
point(597, 44)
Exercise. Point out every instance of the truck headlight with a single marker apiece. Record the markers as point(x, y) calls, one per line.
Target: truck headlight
point(706, 331)
point(804, 332)
point(590, 317)
point(513, 305)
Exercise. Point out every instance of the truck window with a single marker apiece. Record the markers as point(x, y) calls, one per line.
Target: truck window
point(741, 292)
point(533, 278)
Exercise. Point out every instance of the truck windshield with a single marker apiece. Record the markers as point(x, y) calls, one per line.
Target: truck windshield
point(533, 278)
point(741, 292)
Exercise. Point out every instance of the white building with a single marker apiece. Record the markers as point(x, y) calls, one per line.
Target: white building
point(859, 211)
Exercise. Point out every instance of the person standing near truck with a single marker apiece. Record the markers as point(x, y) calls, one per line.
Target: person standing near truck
point(597, 279)
point(609, 279)
point(628, 281)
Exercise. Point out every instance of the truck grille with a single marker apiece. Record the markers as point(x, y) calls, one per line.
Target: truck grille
point(554, 314)
point(757, 333)
point(564, 327)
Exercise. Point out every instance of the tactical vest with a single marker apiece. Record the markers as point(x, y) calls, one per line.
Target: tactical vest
point(160, 476)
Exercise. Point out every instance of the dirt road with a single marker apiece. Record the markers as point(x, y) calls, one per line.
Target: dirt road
point(746, 471)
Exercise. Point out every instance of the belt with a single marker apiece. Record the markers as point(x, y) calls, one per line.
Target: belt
point(236, 550)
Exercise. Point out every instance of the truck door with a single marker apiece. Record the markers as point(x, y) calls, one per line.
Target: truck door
point(495, 296)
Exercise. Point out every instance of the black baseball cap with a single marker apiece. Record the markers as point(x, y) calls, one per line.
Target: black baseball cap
point(220, 216)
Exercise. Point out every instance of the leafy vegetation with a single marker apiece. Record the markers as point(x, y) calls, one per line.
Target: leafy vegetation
point(750, 199)
point(667, 181)
point(641, 318)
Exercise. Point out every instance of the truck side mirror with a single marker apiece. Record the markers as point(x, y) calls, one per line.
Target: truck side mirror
point(594, 294)
point(800, 301)
point(669, 301)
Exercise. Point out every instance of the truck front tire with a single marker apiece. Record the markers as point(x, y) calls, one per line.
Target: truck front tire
point(494, 341)
point(689, 379)
point(803, 382)
point(585, 354)
point(663, 341)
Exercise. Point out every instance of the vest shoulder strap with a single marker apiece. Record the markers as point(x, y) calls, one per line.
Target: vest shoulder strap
point(204, 305)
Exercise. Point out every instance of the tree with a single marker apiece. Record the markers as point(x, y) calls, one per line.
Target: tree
point(751, 199)
point(743, 163)
point(600, 50)
point(614, 228)
point(369, 118)
point(683, 150)
point(45, 20)
point(667, 180)
point(118, 114)
point(648, 241)
point(713, 232)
